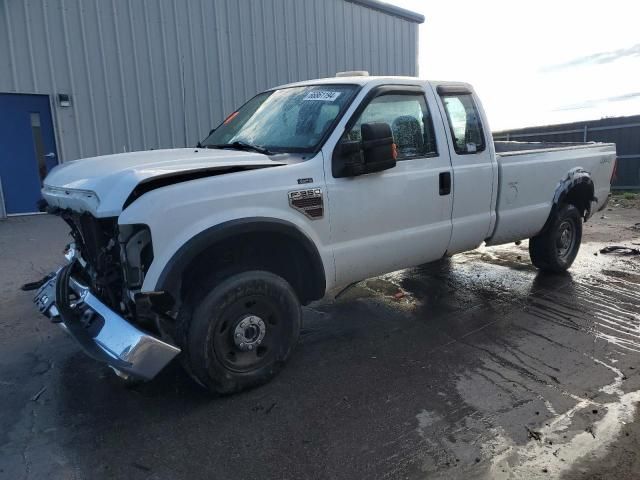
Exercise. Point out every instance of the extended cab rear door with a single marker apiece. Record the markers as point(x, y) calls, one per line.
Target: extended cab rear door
point(474, 165)
point(398, 217)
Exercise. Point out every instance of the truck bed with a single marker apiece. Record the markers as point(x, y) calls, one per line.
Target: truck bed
point(529, 173)
point(519, 147)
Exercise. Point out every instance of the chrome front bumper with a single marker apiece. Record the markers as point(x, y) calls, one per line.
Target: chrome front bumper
point(102, 333)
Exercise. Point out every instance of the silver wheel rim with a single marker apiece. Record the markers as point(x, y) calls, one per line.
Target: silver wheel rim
point(566, 239)
point(249, 333)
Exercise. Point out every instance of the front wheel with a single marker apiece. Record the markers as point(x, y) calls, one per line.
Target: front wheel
point(555, 249)
point(241, 333)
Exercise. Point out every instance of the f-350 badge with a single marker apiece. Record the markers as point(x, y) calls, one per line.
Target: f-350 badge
point(308, 202)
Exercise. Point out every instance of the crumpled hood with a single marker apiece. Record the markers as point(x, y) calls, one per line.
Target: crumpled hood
point(101, 185)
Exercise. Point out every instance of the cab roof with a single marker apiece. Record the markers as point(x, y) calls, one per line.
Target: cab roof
point(366, 80)
point(355, 80)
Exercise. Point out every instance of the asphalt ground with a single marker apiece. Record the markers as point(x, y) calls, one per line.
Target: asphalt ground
point(476, 366)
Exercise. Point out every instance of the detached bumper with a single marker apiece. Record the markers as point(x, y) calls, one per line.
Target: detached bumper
point(102, 333)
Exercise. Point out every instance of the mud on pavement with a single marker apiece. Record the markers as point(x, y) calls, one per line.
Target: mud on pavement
point(473, 367)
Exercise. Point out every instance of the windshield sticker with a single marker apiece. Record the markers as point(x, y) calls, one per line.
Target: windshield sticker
point(321, 95)
point(230, 117)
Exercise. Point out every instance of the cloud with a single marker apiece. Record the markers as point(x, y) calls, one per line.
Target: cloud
point(595, 102)
point(596, 58)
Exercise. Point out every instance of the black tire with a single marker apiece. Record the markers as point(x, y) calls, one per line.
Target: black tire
point(241, 332)
point(556, 247)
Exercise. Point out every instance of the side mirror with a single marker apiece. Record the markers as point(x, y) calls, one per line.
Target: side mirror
point(348, 160)
point(378, 147)
point(376, 152)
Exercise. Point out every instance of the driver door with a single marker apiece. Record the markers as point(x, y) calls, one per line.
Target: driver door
point(400, 217)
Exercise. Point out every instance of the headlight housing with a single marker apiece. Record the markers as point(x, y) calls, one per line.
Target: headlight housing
point(70, 198)
point(136, 253)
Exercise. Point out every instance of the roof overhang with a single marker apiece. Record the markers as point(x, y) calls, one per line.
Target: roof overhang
point(390, 10)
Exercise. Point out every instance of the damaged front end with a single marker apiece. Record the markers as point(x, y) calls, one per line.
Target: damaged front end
point(96, 298)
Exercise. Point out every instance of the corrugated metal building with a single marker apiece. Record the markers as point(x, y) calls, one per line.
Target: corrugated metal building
point(122, 75)
point(623, 131)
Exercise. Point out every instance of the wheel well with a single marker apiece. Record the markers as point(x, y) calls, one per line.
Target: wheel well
point(576, 189)
point(580, 196)
point(274, 252)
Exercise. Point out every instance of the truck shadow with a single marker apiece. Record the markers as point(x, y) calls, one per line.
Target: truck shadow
point(365, 367)
point(439, 294)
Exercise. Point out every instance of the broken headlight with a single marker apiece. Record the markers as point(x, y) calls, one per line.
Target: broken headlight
point(136, 253)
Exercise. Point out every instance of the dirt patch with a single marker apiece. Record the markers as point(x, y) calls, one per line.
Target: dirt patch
point(625, 200)
point(618, 223)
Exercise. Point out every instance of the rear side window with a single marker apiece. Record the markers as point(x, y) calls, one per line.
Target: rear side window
point(465, 124)
point(409, 119)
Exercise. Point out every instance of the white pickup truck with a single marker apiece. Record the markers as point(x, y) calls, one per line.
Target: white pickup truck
point(209, 252)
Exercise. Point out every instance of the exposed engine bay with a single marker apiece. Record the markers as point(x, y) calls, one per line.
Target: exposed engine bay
point(112, 259)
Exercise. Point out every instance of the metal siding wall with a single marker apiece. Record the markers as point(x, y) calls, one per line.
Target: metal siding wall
point(160, 73)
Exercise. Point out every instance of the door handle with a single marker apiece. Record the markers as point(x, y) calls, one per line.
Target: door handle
point(445, 183)
point(50, 155)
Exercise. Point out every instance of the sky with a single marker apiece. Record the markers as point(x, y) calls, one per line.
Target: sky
point(536, 62)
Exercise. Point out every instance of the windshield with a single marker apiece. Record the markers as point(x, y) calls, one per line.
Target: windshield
point(293, 119)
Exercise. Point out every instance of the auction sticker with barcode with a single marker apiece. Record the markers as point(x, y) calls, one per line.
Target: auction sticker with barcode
point(322, 95)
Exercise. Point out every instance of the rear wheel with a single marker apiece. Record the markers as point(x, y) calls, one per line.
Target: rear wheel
point(555, 249)
point(240, 333)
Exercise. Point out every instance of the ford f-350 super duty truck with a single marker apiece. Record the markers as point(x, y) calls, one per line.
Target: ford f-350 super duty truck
point(208, 253)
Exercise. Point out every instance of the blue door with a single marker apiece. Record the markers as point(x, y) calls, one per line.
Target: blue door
point(27, 149)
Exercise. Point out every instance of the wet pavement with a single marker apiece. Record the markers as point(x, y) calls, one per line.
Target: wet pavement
point(476, 366)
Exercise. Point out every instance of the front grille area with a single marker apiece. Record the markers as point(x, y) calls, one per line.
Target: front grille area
point(96, 240)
